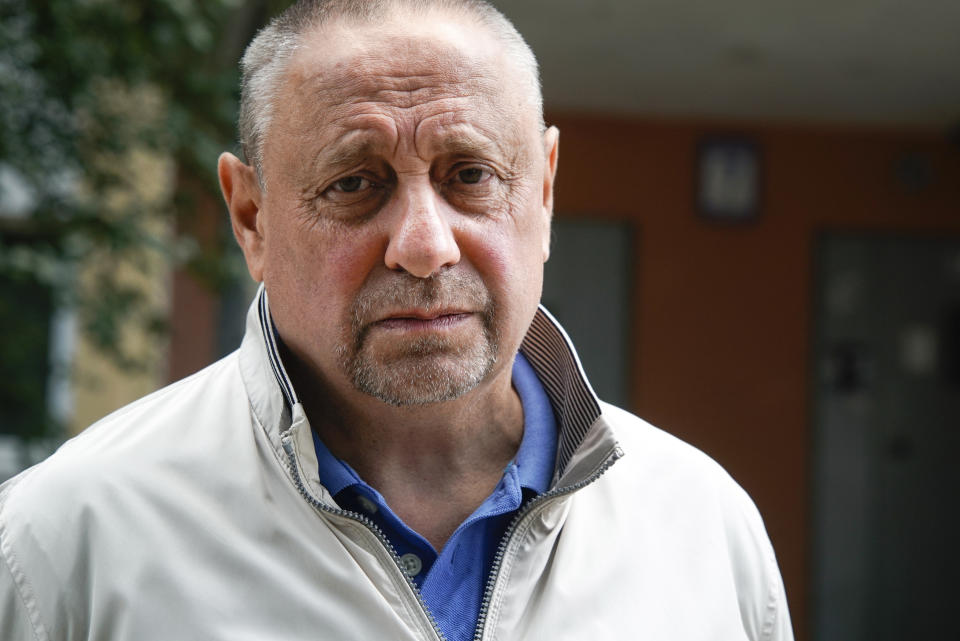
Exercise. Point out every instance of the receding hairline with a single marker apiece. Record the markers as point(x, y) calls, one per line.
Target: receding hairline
point(306, 29)
point(438, 22)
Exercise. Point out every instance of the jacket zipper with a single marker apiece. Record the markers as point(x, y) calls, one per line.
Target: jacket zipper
point(373, 527)
point(533, 504)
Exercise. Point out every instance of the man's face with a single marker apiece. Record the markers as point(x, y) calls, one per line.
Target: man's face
point(405, 220)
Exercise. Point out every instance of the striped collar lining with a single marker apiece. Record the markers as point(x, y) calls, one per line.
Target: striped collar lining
point(550, 352)
point(273, 352)
point(547, 348)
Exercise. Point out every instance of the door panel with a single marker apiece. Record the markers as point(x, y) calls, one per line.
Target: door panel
point(887, 435)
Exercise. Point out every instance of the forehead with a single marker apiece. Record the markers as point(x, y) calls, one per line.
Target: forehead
point(439, 78)
point(433, 46)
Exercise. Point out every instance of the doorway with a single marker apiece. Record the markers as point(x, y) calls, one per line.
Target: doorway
point(886, 395)
point(587, 286)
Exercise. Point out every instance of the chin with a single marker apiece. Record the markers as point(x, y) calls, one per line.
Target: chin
point(424, 376)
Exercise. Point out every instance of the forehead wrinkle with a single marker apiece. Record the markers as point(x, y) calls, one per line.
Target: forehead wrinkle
point(498, 137)
point(359, 138)
point(459, 138)
point(403, 92)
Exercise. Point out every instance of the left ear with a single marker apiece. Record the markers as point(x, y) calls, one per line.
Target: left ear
point(551, 148)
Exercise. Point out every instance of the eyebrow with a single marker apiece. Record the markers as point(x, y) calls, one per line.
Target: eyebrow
point(346, 154)
point(459, 143)
point(358, 148)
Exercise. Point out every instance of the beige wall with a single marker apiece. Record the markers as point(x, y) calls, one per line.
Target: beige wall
point(99, 386)
point(144, 184)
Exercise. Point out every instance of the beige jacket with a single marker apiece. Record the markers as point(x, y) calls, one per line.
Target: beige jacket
point(195, 513)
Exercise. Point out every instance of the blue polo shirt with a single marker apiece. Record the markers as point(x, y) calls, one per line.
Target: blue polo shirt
point(452, 582)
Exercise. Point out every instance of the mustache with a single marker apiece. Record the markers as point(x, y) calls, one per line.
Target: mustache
point(447, 289)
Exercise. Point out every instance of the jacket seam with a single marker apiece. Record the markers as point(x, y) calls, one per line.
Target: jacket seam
point(774, 597)
point(20, 582)
point(276, 450)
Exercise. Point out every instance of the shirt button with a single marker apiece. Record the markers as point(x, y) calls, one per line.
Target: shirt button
point(366, 504)
point(411, 564)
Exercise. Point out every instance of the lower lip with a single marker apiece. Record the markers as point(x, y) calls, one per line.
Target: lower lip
point(423, 324)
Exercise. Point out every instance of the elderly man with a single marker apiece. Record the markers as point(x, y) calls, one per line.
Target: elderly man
point(404, 446)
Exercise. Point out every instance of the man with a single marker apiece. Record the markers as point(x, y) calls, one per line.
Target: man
point(404, 447)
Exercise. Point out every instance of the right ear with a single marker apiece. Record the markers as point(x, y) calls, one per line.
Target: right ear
point(241, 191)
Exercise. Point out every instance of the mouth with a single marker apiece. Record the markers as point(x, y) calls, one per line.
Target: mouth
point(417, 319)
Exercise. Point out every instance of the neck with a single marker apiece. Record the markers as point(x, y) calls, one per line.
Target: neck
point(485, 424)
point(435, 463)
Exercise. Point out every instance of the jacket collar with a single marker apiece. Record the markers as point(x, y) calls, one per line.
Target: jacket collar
point(585, 439)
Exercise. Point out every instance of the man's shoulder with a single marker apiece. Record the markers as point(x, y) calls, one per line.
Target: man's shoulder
point(144, 477)
point(125, 444)
point(671, 498)
point(660, 467)
point(183, 405)
point(650, 446)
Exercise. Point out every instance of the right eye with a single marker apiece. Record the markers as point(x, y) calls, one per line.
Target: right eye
point(352, 197)
point(351, 184)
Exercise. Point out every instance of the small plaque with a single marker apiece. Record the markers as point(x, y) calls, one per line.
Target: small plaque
point(728, 180)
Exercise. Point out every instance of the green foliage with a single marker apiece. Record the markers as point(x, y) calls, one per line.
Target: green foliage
point(106, 106)
point(25, 311)
point(58, 59)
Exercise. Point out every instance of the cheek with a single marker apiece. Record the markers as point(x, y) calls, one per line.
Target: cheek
point(531, 220)
point(314, 275)
point(509, 260)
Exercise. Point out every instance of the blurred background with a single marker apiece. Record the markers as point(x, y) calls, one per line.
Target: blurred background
point(763, 197)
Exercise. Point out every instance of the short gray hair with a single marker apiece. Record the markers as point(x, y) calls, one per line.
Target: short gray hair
point(265, 61)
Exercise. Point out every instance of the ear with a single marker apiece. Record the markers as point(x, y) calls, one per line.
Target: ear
point(241, 191)
point(551, 149)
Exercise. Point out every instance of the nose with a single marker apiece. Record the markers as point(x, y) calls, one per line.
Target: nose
point(421, 239)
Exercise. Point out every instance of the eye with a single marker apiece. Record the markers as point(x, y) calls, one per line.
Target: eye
point(471, 175)
point(351, 184)
point(351, 195)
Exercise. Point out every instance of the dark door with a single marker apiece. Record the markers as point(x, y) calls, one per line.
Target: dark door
point(887, 439)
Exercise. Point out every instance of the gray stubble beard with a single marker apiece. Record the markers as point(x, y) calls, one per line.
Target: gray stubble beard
point(430, 369)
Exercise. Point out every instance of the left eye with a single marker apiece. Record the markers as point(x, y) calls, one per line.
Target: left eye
point(471, 175)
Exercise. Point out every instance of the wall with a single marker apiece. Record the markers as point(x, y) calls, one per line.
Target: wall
point(145, 183)
point(194, 307)
point(722, 339)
